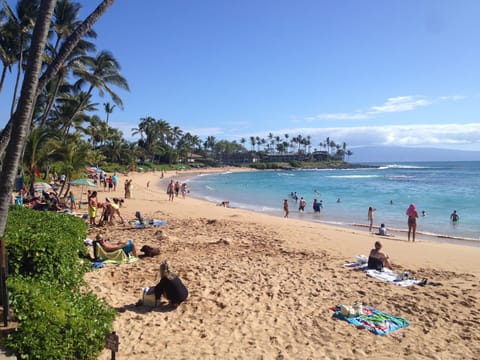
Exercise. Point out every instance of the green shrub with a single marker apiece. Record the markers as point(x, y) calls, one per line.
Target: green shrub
point(56, 324)
point(57, 320)
point(296, 164)
point(46, 245)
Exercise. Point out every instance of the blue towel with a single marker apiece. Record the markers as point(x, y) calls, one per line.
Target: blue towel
point(374, 320)
point(149, 223)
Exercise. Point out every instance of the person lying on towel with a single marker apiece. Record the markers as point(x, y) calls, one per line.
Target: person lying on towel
point(127, 246)
point(377, 260)
point(169, 286)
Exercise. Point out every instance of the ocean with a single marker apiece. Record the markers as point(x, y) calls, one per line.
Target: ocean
point(438, 188)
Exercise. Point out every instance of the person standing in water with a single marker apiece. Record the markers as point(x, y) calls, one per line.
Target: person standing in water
point(370, 218)
point(412, 214)
point(454, 216)
point(285, 208)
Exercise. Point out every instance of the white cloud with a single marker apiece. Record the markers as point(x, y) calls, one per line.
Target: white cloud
point(204, 132)
point(391, 105)
point(400, 104)
point(339, 116)
point(436, 135)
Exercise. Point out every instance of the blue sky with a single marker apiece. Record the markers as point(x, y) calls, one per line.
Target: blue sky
point(364, 72)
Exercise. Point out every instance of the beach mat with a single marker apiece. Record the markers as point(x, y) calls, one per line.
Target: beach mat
point(148, 223)
point(386, 275)
point(376, 321)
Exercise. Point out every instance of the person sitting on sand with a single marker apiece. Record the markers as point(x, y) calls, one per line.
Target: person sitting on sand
point(378, 260)
point(127, 246)
point(169, 286)
point(224, 204)
point(382, 230)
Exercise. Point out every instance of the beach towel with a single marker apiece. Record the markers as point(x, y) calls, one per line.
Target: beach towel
point(386, 275)
point(391, 277)
point(376, 321)
point(148, 223)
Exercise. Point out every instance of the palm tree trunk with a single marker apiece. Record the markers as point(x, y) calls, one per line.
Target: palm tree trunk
point(2, 80)
point(17, 81)
point(51, 100)
point(21, 125)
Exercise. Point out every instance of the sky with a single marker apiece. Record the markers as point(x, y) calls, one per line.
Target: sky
point(363, 72)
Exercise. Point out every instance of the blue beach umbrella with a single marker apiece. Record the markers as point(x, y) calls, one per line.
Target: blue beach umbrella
point(82, 183)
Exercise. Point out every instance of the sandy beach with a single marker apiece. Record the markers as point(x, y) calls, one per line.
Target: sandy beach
point(262, 287)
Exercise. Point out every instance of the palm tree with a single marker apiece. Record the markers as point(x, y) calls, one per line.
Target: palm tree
point(100, 73)
point(108, 109)
point(9, 45)
point(35, 150)
point(21, 121)
point(349, 153)
point(73, 153)
point(22, 23)
point(71, 111)
point(70, 43)
point(252, 142)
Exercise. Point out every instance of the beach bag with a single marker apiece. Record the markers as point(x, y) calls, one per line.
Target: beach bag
point(149, 299)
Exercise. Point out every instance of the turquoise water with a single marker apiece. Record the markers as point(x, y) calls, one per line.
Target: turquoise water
point(436, 187)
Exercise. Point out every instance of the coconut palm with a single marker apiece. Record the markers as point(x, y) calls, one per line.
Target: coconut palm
point(108, 109)
point(64, 24)
point(20, 127)
point(71, 111)
point(74, 154)
point(9, 45)
point(35, 150)
point(100, 72)
point(70, 43)
point(21, 24)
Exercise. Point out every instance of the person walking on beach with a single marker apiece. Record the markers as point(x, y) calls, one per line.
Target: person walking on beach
point(171, 190)
point(412, 214)
point(285, 208)
point(454, 216)
point(370, 218)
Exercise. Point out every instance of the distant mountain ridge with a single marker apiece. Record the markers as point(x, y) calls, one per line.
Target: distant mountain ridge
point(401, 154)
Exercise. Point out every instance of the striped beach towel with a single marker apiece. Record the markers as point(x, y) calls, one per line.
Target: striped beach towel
point(376, 321)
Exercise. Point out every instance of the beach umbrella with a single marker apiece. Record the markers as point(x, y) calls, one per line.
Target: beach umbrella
point(82, 183)
point(41, 186)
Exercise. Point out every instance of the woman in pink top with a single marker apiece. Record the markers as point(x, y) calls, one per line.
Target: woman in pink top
point(412, 214)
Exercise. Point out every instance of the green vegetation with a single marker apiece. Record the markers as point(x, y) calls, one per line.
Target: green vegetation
point(59, 318)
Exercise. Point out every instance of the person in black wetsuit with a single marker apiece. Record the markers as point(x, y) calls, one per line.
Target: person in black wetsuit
point(378, 260)
point(169, 286)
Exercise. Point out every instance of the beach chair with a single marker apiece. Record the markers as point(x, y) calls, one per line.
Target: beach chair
point(115, 256)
